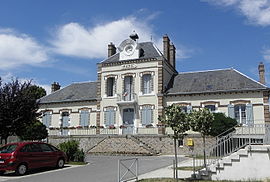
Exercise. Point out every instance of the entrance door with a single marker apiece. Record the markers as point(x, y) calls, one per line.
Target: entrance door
point(128, 121)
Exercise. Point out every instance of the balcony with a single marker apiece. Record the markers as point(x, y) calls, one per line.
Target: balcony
point(126, 99)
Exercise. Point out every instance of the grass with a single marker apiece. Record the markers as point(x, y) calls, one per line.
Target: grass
point(189, 168)
point(173, 180)
point(77, 163)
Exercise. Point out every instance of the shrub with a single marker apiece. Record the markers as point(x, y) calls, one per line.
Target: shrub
point(70, 147)
point(222, 123)
point(79, 156)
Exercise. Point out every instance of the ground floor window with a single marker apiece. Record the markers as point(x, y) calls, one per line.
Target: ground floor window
point(84, 118)
point(243, 113)
point(47, 118)
point(109, 116)
point(146, 115)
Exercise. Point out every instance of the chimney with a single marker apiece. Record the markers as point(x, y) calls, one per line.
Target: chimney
point(172, 55)
point(166, 47)
point(261, 73)
point(55, 86)
point(111, 49)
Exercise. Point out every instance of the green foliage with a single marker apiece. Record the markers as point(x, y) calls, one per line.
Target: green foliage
point(221, 124)
point(201, 121)
point(71, 148)
point(37, 91)
point(79, 156)
point(176, 118)
point(18, 108)
point(35, 131)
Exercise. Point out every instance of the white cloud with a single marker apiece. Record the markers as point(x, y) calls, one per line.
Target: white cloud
point(266, 54)
point(73, 39)
point(19, 49)
point(256, 11)
point(9, 76)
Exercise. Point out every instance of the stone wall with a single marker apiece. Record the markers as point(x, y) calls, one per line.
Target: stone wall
point(135, 144)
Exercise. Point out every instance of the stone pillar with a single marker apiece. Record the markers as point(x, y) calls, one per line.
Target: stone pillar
point(261, 73)
point(166, 47)
point(55, 86)
point(111, 49)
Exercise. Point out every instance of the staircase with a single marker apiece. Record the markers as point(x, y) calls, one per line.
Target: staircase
point(231, 147)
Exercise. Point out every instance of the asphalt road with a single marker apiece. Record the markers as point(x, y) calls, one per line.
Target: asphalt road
point(99, 169)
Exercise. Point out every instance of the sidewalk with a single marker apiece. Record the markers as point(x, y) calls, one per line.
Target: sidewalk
point(167, 172)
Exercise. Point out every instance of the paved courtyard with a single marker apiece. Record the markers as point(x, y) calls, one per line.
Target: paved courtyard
point(99, 169)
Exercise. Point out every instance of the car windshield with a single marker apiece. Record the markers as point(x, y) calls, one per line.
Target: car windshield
point(8, 148)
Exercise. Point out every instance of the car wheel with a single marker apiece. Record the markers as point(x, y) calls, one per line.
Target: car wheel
point(60, 163)
point(2, 172)
point(21, 169)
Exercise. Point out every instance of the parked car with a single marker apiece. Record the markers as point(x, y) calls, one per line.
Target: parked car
point(23, 156)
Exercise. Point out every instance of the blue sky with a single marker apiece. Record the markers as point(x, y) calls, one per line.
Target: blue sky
point(63, 40)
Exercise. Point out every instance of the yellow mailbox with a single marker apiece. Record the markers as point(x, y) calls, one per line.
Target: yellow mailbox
point(190, 142)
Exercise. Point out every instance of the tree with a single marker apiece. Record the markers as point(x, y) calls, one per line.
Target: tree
point(176, 118)
point(201, 121)
point(18, 108)
point(37, 91)
point(221, 124)
point(35, 131)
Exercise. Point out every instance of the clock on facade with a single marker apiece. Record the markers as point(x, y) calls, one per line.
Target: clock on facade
point(128, 50)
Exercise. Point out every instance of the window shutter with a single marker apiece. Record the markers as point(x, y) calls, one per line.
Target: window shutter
point(114, 86)
point(142, 84)
point(112, 117)
point(149, 114)
point(231, 111)
point(107, 118)
point(189, 109)
point(249, 113)
point(145, 84)
point(49, 119)
point(151, 84)
point(143, 116)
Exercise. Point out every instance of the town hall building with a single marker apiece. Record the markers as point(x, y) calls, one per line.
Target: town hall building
point(134, 85)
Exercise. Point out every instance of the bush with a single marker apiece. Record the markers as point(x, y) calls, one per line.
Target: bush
point(222, 123)
point(79, 156)
point(71, 148)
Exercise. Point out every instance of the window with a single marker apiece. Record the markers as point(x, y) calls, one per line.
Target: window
point(146, 115)
point(147, 84)
point(211, 108)
point(109, 116)
point(180, 143)
point(45, 147)
point(65, 119)
point(47, 118)
point(111, 87)
point(240, 113)
point(128, 88)
point(84, 118)
point(243, 113)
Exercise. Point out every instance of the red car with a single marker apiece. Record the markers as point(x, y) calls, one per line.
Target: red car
point(22, 156)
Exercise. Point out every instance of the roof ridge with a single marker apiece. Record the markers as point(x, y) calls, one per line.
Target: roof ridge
point(250, 78)
point(203, 71)
point(84, 82)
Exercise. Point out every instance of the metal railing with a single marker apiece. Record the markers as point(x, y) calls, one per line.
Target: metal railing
point(231, 141)
point(117, 130)
point(127, 97)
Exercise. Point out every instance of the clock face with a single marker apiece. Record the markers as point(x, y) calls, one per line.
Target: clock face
point(129, 49)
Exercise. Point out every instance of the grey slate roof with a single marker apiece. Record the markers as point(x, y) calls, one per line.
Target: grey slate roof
point(213, 81)
point(74, 92)
point(149, 51)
